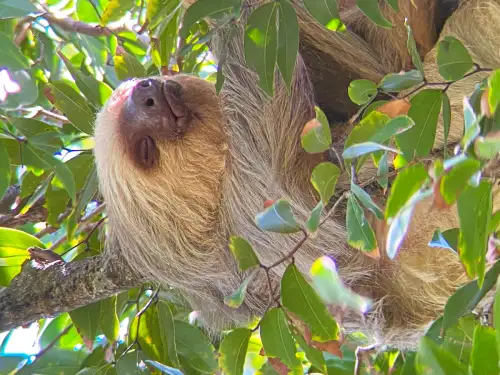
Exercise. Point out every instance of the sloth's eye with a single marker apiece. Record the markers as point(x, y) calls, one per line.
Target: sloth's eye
point(147, 151)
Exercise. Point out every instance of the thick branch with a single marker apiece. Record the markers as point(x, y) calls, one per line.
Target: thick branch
point(40, 293)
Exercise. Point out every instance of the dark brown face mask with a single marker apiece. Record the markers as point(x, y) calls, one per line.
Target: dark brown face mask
point(154, 111)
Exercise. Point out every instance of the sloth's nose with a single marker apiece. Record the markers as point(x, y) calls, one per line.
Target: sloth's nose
point(147, 93)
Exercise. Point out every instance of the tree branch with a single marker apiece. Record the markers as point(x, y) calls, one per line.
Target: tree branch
point(38, 293)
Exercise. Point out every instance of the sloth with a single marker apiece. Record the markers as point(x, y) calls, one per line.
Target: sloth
point(182, 169)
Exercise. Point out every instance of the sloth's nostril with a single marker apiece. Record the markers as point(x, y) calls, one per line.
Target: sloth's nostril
point(150, 102)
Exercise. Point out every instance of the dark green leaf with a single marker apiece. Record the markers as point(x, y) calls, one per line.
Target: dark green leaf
point(326, 13)
point(108, 320)
point(484, 357)
point(314, 355)
point(394, 4)
point(453, 59)
point(431, 359)
point(277, 218)
point(15, 9)
point(277, 339)
point(299, 297)
point(11, 362)
point(366, 200)
point(396, 82)
point(467, 297)
point(261, 42)
point(195, 348)
point(424, 111)
point(86, 320)
point(233, 350)
point(129, 364)
point(89, 191)
point(371, 9)
point(324, 179)
point(4, 170)
point(361, 91)
point(447, 239)
point(446, 111)
point(167, 331)
point(206, 8)
point(243, 253)
point(455, 181)
point(11, 56)
point(74, 106)
point(474, 211)
point(383, 171)
point(360, 234)
point(316, 136)
point(496, 314)
point(235, 300)
point(288, 41)
point(366, 129)
point(314, 220)
point(54, 329)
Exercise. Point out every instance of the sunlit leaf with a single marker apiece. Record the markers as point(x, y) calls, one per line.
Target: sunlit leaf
point(361, 91)
point(494, 90)
point(278, 218)
point(115, 10)
point(324, 179)
point(453, 59)
point(484, 357)
point(243, 253)
point(233, 350)
point(487, 147)
point(299, 297)
point(127, 66)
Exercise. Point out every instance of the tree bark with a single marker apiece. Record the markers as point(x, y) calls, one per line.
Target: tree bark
point(38, 293)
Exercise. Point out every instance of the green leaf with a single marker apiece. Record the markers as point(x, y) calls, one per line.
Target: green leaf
point(206, 8)
point(261, 42)
point(167, 331)
point(165, 369)
point(496, 315)
point(194, 348)
point(486, 147)
point(277, 339)
point(233, 350)
point(396, 82)
point(129, 364)
point(396, 125)
point(453, 59)
point(446, 112)
point(474, 211)
point(127, 66)
point(314, 355)
point(277, 218)
point(360, 234)
point(412, 48)
point(326, 13)
point(299, 297)
point(383, 171)
point(324, 178)
point(235, 300)
point(432, 359)
point(115, 10)
point(74, 106)
point(108, 321)
point(243, 253)
point(331, 289)
point(424, 111)
point(366, 200)
point(318, 138)
point(364, 148)
point(4, 170)
point(361, 91)
point(314, 220)
point(367, 128)
point(54, 329)
point(11, 57)
point(15, 9)
point(288, 41)
point(373, 107)
point(455, 181)
point(10, 363)
point(484, 357)
point(393, 4)
point(447, 239)
point(86, 320)
point(494, 90)
point(371, 9)
point(465, 299)
point(89, 191)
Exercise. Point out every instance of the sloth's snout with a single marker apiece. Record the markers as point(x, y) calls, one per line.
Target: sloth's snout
point(148, 94)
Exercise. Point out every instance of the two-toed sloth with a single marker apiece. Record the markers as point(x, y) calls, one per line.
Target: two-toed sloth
point(182, 169)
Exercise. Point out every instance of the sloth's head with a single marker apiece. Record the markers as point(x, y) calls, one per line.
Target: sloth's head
point(160, 151)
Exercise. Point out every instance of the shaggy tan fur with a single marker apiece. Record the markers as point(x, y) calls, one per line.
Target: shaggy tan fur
point(172, 223)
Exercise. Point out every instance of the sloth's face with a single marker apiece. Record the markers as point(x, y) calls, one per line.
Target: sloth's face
point(144, 116)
